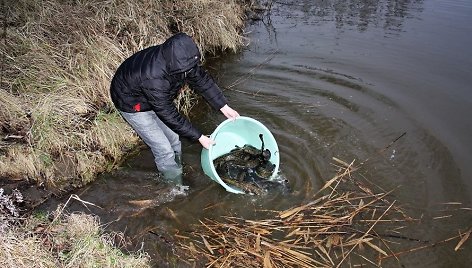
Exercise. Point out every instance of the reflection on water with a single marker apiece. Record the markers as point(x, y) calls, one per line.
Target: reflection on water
point(358, 14)
point(330, 79)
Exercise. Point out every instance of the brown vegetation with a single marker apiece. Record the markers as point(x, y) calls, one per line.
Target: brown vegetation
point(346, 223)
point(57, 123)
point(75, 240)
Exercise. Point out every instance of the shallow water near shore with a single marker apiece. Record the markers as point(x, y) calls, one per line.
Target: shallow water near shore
point(330, 79)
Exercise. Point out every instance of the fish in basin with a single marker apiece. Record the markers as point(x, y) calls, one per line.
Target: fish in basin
point(248, 169)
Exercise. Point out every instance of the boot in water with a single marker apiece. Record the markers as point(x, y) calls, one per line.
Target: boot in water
point(178, 159)
point(173, 176)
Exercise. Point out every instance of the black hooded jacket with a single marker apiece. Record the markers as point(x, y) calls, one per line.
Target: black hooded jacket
point(151, 79)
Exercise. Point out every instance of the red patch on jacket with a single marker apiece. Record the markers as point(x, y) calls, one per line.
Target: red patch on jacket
point(137, 107)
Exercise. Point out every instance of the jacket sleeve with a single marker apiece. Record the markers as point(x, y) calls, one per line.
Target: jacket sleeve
point(163, 105)
point(202, 83)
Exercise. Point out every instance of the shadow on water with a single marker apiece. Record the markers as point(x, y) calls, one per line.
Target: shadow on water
point(330, 79)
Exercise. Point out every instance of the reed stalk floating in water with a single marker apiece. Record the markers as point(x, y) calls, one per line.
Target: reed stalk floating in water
point(344, 224)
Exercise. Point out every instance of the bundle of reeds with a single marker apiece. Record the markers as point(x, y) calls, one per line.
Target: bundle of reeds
point(338, 226)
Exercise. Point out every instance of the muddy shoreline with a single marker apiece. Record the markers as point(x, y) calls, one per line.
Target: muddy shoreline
point(33, 195)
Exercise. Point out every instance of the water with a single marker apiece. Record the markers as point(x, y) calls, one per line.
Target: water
point(330, 79)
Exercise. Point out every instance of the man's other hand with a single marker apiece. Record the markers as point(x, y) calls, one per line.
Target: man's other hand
point(229, 112)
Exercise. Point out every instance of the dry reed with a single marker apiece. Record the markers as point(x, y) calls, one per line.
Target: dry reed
point(210, 22)
point(346, 223)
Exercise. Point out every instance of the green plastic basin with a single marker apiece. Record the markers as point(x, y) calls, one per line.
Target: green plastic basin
point(238, 132)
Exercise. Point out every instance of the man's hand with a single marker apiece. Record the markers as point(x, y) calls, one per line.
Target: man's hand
point(229, 112)
point(206, 142)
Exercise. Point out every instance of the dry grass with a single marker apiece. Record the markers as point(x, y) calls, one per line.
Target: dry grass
point(20, 161)
point(214, 24)
point(59, 124)
point(346, 223)
point(75, 240)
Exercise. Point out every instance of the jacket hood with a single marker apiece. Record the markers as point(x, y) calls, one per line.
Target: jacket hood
point(181, 53)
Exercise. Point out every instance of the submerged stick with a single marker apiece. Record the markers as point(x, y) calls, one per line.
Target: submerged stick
point(425, 246)
point(392, 142)
point(250, 73)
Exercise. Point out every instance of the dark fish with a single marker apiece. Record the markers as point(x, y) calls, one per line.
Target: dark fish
point(247, 168)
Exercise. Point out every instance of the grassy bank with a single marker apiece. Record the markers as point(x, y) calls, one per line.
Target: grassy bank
point(75, 240)
point(58, 125)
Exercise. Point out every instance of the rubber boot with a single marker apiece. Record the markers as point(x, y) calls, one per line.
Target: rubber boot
point(173, 176)
point(178, 159)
